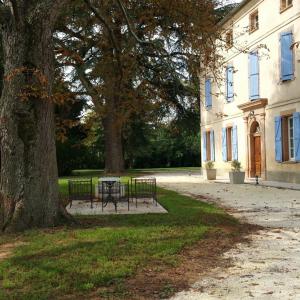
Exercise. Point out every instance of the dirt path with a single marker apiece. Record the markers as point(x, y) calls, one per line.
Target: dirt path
point(267, 268)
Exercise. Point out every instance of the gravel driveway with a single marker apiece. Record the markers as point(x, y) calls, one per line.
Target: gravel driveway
point(269, 266)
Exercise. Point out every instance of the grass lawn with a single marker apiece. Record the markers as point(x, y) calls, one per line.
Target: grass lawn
point(133, 172)
point(99, 256)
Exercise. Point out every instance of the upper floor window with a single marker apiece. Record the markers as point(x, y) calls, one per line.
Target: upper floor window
point(287, 56)
point(229, 38)
point(253, 75)
point(208, 94)
point(229, 83)
point(254, 21)
point(284, 4)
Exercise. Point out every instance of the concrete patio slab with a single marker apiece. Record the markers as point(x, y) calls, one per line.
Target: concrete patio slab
point(143, 207)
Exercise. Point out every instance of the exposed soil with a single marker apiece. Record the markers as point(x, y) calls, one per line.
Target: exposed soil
point(157, 281)
point(7, 249)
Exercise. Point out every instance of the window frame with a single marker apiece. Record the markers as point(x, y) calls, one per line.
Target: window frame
point(208, 107)
point(253, 21)
point(208, 145)
point(284, 5)
point(291, 142)
point(229, 98)
point(229, 39)
point(229, 147)
point(287, 141)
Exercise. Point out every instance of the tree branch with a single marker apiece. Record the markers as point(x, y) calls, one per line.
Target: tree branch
point(15, 10)
point(102, 20)
point(130, 26)
point(162, 51)
point(93, 93)
point(110, 32)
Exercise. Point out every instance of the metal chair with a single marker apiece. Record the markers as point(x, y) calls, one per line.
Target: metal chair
point(144, 188)
point(80, 189)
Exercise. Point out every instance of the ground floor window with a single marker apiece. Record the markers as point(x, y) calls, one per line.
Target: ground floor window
point(208, 146)
point(287, 138)
point(229, 143)
point(208, 150)
point(291, 138)
point(288, 147)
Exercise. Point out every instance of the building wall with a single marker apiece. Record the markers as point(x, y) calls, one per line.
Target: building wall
point(281, 96)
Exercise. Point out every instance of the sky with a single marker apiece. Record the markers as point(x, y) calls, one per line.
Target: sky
point(225, 2)
point(232, 1)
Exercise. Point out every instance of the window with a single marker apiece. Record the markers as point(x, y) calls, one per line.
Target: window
point(288, 149)
point(285, 4)
point(287, 138)
point(229, 143)
point(253, 76)
point(229, 38)
point(291, 138)
point(229, 84)
point(254, 21)
point(208, 150)
point(287, 56)
point(208, 94)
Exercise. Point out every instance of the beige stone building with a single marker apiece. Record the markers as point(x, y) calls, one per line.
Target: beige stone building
point(253, 115)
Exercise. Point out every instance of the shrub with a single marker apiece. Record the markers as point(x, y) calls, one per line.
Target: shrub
point(209, 165)
point(236, 166)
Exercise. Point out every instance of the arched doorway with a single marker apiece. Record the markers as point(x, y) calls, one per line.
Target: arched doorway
point(255, 148)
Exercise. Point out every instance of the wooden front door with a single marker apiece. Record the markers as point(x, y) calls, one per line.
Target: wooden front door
point(257, 156)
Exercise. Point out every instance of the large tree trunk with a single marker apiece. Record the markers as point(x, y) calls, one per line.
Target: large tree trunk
point(29, 180)
point(114, 158)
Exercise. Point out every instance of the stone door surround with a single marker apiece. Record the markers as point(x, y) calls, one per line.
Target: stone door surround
point(254, 112)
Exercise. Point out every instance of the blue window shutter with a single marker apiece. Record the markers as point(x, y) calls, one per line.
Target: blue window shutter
point(212, 145)
point(224, 144)
point(229, 84)
point(253, 76)
point(278, 139)
point(208, 95)
point(287, 61)
point(204, 146)
point(296, 118)
point(234, 143)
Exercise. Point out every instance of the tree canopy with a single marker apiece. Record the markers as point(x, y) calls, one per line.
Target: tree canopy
point(131, 57)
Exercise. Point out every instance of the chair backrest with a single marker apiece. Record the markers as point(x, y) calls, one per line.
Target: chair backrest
point(143, 187)
point(80, 189)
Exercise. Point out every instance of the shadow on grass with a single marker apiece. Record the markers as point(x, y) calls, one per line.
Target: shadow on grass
point(103, 251)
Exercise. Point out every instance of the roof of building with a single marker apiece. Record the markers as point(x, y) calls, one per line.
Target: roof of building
point(234, 11)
